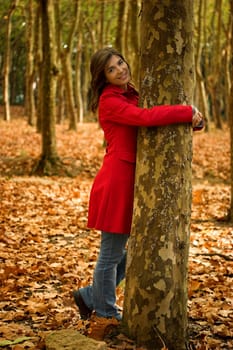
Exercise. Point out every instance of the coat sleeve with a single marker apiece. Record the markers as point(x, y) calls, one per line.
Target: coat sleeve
point(118, 110)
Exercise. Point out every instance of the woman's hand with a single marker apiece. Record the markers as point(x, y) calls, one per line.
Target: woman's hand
point(198, 120)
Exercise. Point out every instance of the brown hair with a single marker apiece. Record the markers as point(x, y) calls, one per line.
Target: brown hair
point(98, 79)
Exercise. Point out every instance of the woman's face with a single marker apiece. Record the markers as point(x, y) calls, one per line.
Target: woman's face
point(117, 72)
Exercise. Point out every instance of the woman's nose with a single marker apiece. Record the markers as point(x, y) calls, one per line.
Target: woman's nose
point(120, 69)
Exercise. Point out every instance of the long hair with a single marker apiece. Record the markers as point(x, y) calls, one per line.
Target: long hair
point(98, 79)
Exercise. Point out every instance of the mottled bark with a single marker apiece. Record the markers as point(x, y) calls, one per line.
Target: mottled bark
point(155, 307)
point(231, 114)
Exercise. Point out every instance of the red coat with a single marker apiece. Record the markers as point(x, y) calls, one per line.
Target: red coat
point(111, 198)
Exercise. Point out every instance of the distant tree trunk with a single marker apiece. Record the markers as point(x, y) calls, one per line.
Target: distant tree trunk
point(30, 72)
point(49, 159)
point(121, 34)
point(133, 43)
point(60, 106)
point(86, 80)
point(155, 306)
point(38, 67)
point(102, 11)
point(216, 93)
point(6, 66)
point(78, 87)
point(67, 69)
point(214, 80)
point(198, 64)
point(228, 75)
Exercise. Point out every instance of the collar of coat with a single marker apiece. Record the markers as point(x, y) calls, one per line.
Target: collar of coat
point(117, 89)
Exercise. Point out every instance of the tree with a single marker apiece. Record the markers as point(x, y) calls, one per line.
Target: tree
point(213, 80)
point(231, 112)
point(122, 25)
point(49, 160)
point(30, 73)
point(201, 90)
point(6, 69)
point(67, 68)
point(155, 306)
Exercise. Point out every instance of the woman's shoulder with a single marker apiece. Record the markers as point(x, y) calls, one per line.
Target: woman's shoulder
point(113, 96)
point(117, 90)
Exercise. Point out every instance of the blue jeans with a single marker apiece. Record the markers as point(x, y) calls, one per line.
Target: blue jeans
point(109, 272)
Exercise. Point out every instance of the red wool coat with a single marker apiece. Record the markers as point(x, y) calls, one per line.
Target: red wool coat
point(111, 198)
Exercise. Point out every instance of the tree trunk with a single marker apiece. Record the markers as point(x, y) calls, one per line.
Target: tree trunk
point(49, 159)
point(134, 40)
point(60, 106)
point(227, 67)
point(38, 67)
point(231, 114)
point(155, 306)
point(30, 72)
point(198, 64)
point(214, 78)
point(67, 69)
point(121, 36)
point(78, 85)
point(6, 67)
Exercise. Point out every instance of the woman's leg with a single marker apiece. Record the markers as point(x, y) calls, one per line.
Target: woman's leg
point(109, 271)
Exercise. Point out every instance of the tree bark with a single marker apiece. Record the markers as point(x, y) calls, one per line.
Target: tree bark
point(6, 67)
point(198, 64)
point(30, 71)
point(49, 160)
point(134, 41)
point(78, 76)
point(155, 306)
point(67, 68)
point(122, 22)
point(231, 113)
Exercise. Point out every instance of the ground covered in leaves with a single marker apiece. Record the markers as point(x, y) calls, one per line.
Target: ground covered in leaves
point(46, 250)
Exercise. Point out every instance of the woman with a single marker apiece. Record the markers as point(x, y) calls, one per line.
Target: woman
point(111, 198)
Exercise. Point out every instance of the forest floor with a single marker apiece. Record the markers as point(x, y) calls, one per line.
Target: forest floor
point(46, 250)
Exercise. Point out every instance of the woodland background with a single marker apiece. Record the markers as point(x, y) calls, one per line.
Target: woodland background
point(46, 249)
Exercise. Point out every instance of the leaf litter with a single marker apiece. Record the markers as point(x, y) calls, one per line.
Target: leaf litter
point(46, 250)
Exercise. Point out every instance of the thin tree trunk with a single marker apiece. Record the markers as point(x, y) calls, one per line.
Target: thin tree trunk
point(67, 68)
point(121, 37)
point(30, 72)
point(199, 77)
point(227, 67)
point(6, 67)
point(215, 66)
point(134, 40)
point(78, 86)
point(38, 68)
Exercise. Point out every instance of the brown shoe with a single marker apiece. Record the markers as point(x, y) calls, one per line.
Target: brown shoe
point(84, 310)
